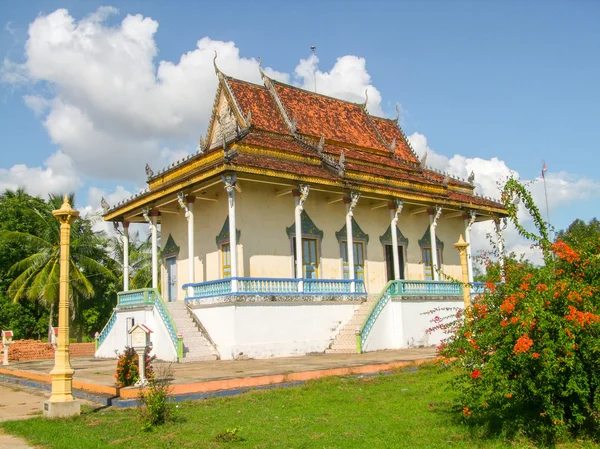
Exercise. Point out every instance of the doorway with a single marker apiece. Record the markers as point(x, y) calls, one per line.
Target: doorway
point(171, 267)
point(389, 261)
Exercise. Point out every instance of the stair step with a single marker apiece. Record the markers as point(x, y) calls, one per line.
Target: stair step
point(196, 347)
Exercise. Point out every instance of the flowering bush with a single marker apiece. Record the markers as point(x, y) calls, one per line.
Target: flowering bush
point(127, 368)
point(528, 350)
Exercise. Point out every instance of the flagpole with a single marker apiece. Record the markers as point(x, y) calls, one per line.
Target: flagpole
point(546, 197)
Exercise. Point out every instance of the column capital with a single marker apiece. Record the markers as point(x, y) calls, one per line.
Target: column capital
point(125, 224)
point(434, 212)
point(190, 199)
point(229, 180)
point(351, 200)
point(154, 213)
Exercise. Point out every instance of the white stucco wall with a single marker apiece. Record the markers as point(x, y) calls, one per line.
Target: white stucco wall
point(117, 339)
point(264, 249)
point(403, 324)
point(263, 330)
point(415, 321)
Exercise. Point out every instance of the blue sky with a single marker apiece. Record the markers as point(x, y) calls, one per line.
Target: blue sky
point(516, 81)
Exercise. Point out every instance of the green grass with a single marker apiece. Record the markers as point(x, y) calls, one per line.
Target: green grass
point(410, 409)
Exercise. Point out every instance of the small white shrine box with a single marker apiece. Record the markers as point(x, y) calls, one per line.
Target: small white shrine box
point(7, 337)
point(140, 336)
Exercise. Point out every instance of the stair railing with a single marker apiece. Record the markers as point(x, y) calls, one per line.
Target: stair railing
point(202, 330)
point(378, 305)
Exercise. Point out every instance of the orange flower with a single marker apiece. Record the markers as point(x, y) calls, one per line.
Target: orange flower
point(536, 355)
point(581, 318)
point(524, 286)
point(542, 288)
point(509, 395)
point(466, 411)
point(523, 344)
point(565, 252)
point(503, 323)
point(509, 304)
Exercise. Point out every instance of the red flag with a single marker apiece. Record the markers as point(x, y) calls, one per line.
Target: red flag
point(544, 170)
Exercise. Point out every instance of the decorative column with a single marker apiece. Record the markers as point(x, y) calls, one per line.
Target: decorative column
point(500, 225)
point(125, 237)
point(350, 205)
point(229, 181)
point(300, 196)
point(395, 209)
point(187, 204)
point(469, 220)
point(61, 402)
point(150, 217)
point(434, 216)
point(462, 247)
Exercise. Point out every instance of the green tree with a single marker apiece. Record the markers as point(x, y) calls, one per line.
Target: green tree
point(26, 318)
point(140, 260)
point(580, 234)
point(36, 274)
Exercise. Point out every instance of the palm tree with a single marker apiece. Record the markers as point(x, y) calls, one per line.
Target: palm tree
point(38, 274)
point(140, 260)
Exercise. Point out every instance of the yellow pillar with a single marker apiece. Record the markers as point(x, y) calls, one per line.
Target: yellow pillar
point(462, 246)
point(61, 401)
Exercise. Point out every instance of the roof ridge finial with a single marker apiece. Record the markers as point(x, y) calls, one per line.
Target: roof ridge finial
point(262, 73)
point(217, 71)
point(364, 105)
point(397, 113)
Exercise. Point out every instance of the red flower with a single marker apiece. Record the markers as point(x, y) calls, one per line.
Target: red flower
point(536, 355)
point(523, 344)
point(564, 251)
point(476, 374)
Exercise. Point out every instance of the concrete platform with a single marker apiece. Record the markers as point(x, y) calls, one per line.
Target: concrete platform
point(97, 375)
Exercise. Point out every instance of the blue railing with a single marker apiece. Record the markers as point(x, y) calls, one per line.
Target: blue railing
point(374, 313)
point(166, 316)
point(210, 288)
point(143, 297)
point(275, 286)
point(112, 320)
point(427, 288)
point(477, 288)
point(333, 286)
point(138, 297)
point(267, 285)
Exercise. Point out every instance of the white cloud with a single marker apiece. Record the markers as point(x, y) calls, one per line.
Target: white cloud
point(348, 80)
point(490, 175)
point(110, 107)
point(57, 176)
point(115, 109)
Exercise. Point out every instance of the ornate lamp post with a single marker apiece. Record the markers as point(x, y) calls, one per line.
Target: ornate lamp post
point(462, 246)
point(61, 402)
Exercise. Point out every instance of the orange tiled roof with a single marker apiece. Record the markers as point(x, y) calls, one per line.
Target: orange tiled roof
point(337, 120)
point(389, 130)
point(257, 100)
point(347, 127)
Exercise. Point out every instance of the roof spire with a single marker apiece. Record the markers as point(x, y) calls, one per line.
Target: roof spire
point(217, 71)
point(364, 105)
point(397, 113)
point(262, 74)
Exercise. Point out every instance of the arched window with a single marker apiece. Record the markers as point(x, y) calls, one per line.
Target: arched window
point(224, 248)
point(311, 245)
point(425, 244)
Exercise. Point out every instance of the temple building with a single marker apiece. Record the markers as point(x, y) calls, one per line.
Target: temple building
point(302, 224)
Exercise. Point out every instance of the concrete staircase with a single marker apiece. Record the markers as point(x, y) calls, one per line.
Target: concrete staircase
point(196, 346)
point(345, 341)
